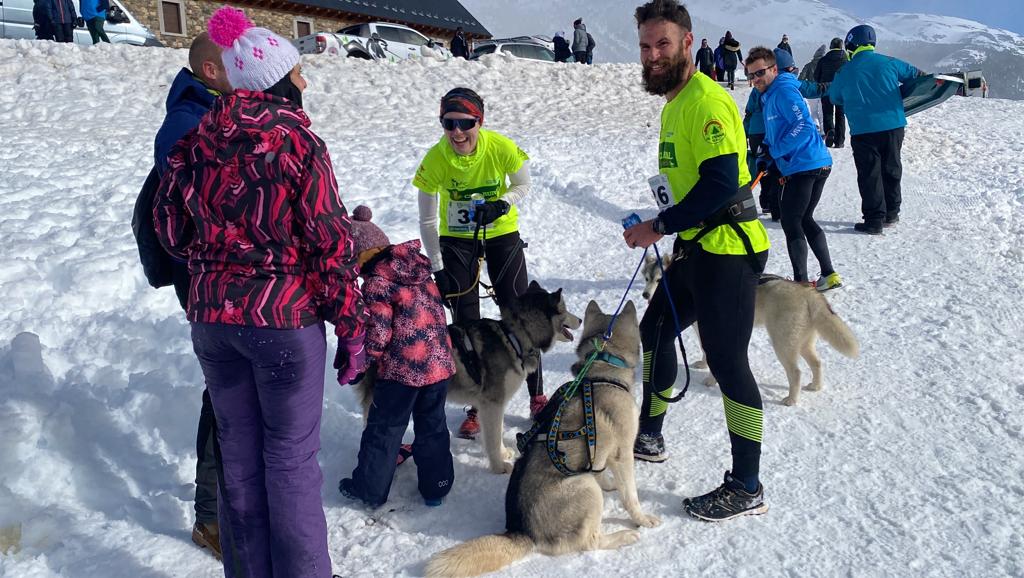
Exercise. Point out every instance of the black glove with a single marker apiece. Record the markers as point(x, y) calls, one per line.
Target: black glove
point(445, 284)
point(489, 212)
point(764, 160)
point(79, 22)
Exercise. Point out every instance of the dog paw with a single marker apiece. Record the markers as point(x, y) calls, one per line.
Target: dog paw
point(647, 520)
point(710, 381)
point(508, 453)
point(790, 400)
point(813, 386)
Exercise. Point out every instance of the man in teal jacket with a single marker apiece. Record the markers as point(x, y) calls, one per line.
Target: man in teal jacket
point(868, 88)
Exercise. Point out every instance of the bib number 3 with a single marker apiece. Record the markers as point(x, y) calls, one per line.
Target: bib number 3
point(662, 191)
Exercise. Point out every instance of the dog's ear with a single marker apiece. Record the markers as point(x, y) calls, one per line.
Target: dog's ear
point(666, 260)
point(629, 310)
point(534, 286)
point(649, 259)
point(592, 309)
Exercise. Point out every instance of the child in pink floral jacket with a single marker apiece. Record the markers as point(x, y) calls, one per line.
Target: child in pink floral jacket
point(407, 337)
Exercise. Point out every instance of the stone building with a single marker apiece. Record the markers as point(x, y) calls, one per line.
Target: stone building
point(177, 22)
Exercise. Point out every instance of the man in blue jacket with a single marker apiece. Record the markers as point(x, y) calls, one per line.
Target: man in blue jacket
point(753, 124)
point(868, 89)
point(191, 96)
point(94, 12)
point(800, 156)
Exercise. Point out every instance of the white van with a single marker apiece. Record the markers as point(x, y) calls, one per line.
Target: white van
point(16, 22)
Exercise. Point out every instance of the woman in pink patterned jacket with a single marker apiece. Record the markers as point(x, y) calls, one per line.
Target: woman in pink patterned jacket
point(250, 201)
point(407, 335)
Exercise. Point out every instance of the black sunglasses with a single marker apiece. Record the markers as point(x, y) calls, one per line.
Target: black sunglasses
point(760, 73)
point(462, 124)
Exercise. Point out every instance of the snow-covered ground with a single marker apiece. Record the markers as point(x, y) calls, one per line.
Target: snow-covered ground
point(909, 462)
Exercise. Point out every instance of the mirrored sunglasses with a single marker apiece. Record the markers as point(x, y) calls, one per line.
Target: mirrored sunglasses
point(462, 124)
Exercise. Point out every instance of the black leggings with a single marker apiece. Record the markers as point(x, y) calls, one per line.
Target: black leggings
point(716, 291)
point(506, 269)
point(797, 200)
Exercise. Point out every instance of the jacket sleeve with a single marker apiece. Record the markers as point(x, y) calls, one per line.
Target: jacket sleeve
point(330, 262)
point(428, 230)
point(810, 89)
point(906, 72)
point(787, 126)
point(715, 187)
point(174, 226)
point(834, 91)
point(381, 314)
point(174, 128)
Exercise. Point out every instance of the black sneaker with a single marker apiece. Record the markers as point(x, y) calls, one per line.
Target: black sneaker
point(830, 138)
point(650, 448)
point(869, 228)
point(728, 501)
point(891, 221)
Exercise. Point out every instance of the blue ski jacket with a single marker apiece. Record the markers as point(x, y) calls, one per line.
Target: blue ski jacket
point(790, 134)
point(868, 87)
point(753, 117)
point(187, 102)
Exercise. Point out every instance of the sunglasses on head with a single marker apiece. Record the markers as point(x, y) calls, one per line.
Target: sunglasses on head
point(762, 72)
point(462, 124)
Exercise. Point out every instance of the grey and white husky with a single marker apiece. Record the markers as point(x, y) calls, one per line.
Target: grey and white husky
point(493, 358)
point(555, 514)
point(794, 315)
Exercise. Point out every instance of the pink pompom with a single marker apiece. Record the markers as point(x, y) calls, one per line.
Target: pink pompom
point(227, 25)
point(362, 213)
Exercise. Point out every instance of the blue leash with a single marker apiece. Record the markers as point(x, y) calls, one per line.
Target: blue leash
point(615, 317)
point(679, 330)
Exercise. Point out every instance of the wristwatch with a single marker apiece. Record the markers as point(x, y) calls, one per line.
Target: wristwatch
point(658, 225)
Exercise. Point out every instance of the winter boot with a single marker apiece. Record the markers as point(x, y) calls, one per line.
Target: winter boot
point(891, 221)
point(470, 428)
point(869, 227)
point(207, 535)
point(728, 501)
point(650, 448)
point(830, 138)
point(537, 404)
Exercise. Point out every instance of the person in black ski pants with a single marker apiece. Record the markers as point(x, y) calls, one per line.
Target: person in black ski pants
point(472, 165)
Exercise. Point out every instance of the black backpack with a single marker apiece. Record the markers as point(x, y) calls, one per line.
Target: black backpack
point(156, 262)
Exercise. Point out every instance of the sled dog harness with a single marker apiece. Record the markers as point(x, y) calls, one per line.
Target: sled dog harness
point(551, 416)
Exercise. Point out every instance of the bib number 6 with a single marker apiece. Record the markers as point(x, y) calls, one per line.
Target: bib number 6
point(662, 191)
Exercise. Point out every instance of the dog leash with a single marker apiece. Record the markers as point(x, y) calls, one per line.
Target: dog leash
point(679, 330)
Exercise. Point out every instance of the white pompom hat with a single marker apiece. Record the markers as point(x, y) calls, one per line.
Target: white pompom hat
point(254, 58)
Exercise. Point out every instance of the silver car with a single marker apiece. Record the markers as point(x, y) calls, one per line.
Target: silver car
point(121, 27)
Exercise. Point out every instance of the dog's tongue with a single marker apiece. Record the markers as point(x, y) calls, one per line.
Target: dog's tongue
point(567, 332)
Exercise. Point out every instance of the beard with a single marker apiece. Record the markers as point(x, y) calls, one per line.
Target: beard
point(671, 77)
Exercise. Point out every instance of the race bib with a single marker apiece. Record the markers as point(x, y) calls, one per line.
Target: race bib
point(662, 191)
point(459, 217)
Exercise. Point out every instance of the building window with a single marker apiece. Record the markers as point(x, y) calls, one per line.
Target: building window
point(172, 17)
point(303, 27)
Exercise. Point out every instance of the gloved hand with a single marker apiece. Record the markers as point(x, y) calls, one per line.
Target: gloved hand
point(350, 359)
point(764, 159)
point(445, 284)
point(79, 22)
point(489, 212)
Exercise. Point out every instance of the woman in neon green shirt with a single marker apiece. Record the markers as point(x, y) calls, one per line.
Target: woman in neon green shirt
point(472, 162)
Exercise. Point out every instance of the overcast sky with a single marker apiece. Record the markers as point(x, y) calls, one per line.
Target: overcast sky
point(1008, 14)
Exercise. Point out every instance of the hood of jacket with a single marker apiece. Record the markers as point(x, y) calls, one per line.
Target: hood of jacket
point(402, 264)
point(249, 125)
point(189, 93)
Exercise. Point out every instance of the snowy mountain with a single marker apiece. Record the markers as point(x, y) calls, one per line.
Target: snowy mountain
point(934, 43)
point(909, 462)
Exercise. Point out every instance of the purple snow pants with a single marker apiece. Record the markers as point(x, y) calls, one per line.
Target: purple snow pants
point(267, 387)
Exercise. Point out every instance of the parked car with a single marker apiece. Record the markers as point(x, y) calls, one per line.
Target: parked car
point(373, 41)
point(518, 48)
point(121, 27)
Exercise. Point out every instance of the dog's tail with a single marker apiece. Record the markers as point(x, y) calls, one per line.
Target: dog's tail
point(479, 556)
point(831, 327)
point(364, 389)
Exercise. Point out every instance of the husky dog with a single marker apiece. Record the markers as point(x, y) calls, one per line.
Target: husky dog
point(548, 511)
point(652, 277)
point(794, 314)
point(493, 358)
